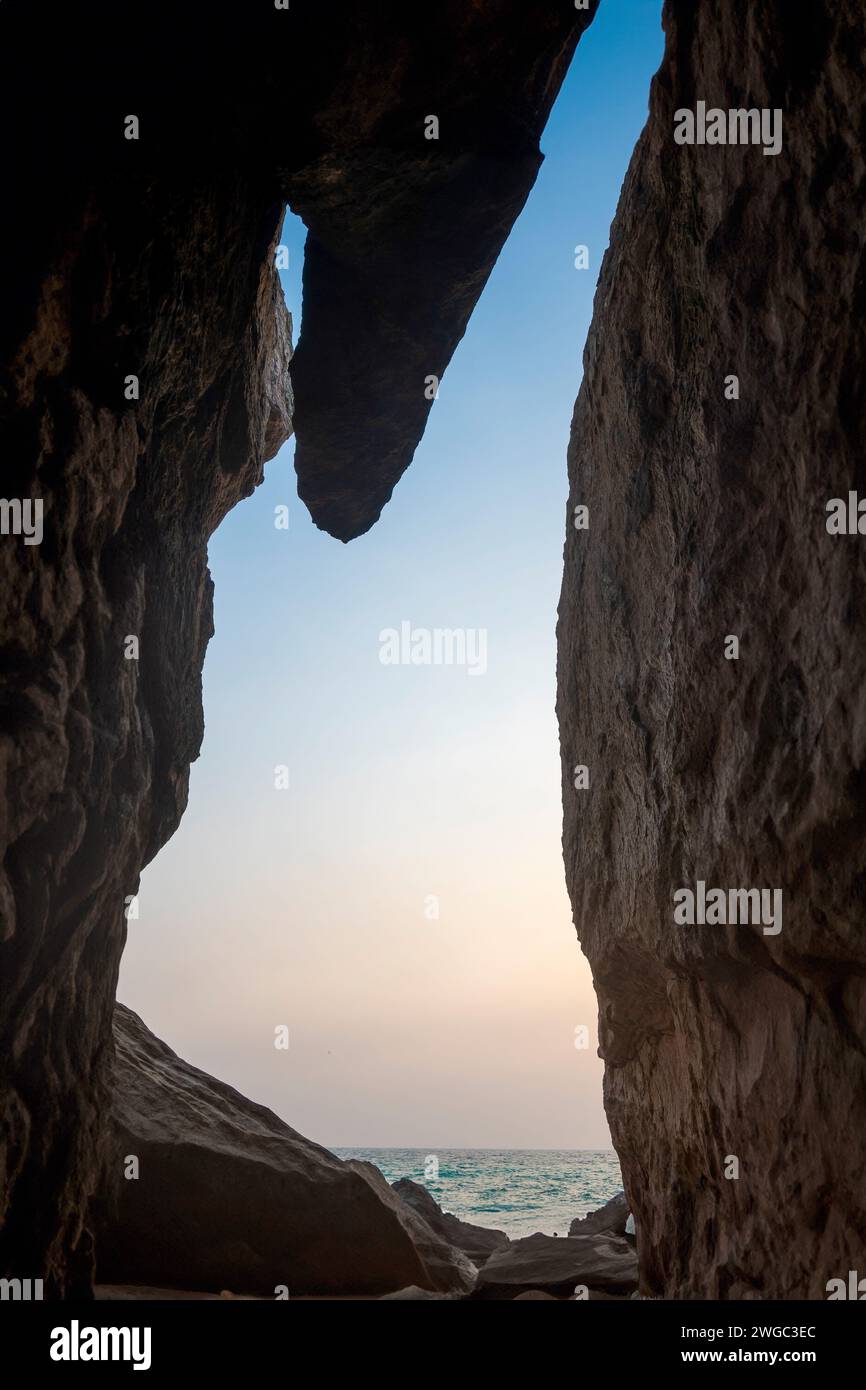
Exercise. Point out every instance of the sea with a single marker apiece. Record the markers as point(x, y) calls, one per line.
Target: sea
point(518, 1191)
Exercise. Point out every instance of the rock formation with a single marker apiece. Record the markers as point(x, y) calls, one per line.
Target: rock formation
point(610, 1218)
point(558, 1265)
point(225, 1195)
point(476, 1242)
point(447, 1267)
point(727, 1049)
point(144, 350)
point(143, 382)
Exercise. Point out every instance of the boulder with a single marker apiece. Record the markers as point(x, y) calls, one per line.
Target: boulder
point(448, 1267)
point(229, 1196)
point(556, 1265)
point(477, 1242)
point(612, 1217)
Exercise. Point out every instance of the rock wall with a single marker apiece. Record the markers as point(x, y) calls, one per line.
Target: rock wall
point(707, 520)
point(148, 156)
point(96, 747)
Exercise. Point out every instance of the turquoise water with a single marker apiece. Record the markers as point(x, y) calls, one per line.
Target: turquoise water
point(515, 1190)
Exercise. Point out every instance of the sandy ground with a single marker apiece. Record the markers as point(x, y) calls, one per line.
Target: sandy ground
point(111, 1293)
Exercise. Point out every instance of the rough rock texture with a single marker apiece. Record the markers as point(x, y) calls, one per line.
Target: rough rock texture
point(153, 257)
point(95, 749)
point(707, 518)
point(612, 1217)
point(558, 1265)
point(229, 1197)
point(477, 1242)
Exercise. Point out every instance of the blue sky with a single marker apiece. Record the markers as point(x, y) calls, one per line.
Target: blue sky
point(306, 906)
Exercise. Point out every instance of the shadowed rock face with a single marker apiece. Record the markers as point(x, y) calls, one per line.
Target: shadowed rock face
point(611, 1218)
point(153, 257)
point(477, 1242)
point(228, 1196)
point(707, 518)
point(602, 1262)
point(96, 747)
point(404, 231)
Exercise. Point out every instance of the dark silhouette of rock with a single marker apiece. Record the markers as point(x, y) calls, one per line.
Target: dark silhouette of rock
point(404, 231)
point(707, 518)
point(611, 1217)
point(477, 1242)
point(144, 353)
point(228, 1197)
point(556, 1265)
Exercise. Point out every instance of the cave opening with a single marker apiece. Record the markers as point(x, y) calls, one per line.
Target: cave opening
point(370, 860)
point(364, 921)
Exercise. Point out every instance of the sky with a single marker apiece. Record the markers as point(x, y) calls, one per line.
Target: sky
point(400, 907)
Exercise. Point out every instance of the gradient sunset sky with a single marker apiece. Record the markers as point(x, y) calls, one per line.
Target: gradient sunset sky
point(306, 906)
